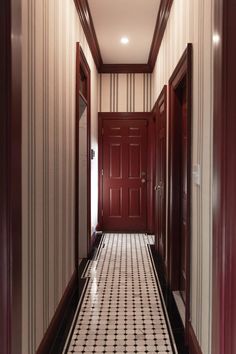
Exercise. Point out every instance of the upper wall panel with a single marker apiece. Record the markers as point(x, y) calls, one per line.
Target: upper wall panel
point(125, 93)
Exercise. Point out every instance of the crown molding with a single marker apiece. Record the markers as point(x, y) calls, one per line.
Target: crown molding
point(125, 68)
point(162, 19)
point(86, 20)
point(85, 16)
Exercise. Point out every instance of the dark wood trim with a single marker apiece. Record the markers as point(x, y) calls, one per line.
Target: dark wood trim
point(224, 171)
point(86, 20)
point(82, 65)
point(59, 316)
point(182, 70)
point(162, 19)
point(125, 68)
point(124, 115)
point(194, 347)
point(151, 174)
point(113, 116)
point(10, 178)
point(162, 98)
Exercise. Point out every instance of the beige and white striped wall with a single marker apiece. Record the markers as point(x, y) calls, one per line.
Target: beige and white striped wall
point(191, 21)
point(125, 92)
point(51, 29)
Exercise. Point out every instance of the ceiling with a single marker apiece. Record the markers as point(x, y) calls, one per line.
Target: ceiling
point(135, 19)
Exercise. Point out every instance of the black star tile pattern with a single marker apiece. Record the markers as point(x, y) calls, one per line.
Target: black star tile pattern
point(122, 310)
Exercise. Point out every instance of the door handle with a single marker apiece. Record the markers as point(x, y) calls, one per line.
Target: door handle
point(143, 180)
point(157, 188)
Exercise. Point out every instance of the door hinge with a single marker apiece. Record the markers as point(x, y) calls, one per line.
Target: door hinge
point(102, 172)
point(102, 212)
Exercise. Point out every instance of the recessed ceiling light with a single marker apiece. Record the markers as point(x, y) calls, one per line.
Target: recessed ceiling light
point(124, 40)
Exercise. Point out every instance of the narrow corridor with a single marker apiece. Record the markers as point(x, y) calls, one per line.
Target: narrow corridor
point(121, 310)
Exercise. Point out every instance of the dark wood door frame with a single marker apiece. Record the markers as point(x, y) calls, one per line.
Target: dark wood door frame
point(162, 100)
point(182, 71)
point(224, 172)
point(10, 177)
point(138, 115)
point(82, 68)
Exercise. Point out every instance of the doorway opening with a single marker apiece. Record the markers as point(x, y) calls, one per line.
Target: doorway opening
point(180, 184)
point(83, 168)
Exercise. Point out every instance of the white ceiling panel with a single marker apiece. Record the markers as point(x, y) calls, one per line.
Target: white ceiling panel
point(134, 19)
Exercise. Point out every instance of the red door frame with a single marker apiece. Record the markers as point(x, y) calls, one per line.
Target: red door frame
point(183, 69)
point(82, 65)
point(10, 178)
point(150, 168)
point(162, 99)
point(224, 172)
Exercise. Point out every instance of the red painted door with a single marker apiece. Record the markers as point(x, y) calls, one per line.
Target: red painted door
point(183, 195)
point(124, 187)
point(160, 188)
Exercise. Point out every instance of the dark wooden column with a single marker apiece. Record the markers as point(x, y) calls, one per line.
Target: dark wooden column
point(224, 169)
point(10, 177)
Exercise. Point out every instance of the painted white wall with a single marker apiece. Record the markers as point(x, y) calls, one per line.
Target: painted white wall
point(191, 21)
point(51, 29)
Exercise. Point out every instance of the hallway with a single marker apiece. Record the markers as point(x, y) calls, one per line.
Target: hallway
point(117, 182)
point(122, 307)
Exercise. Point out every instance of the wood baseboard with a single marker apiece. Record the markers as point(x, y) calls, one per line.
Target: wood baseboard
point(194, 347)
point(59, 317)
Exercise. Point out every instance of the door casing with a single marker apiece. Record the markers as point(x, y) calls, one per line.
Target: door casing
point(183, 71)
point(160, 103)
point(82, 66)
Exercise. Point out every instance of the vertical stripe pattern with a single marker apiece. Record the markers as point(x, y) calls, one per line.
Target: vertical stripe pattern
point(119, 94)
point(50, 31)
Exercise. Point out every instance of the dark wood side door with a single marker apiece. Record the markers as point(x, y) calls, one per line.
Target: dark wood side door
point(183, 190)
point(124, 175)
point(160, 187)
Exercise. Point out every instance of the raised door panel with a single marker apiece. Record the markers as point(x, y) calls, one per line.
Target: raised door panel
point(115, 161)
point(134, 161)
point(115, 202)
point(135, 202)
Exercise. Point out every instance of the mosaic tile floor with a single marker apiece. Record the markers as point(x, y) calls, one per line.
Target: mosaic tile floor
point(121, 311)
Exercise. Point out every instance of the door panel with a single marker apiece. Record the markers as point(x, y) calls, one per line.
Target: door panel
point(115, 202)
point(134, 160)
point(135, 202)
point(183, 194)
point(160, 205)
point(124, 188)
point(115, 160)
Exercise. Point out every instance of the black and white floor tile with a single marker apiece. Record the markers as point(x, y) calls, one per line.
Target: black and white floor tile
point(121, 311)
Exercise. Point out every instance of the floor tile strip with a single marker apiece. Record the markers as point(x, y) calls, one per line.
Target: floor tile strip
point(122, 309)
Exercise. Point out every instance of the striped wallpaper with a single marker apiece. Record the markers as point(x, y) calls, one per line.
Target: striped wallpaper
point(51, 29)
point(191, 21)
point(125, 92)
